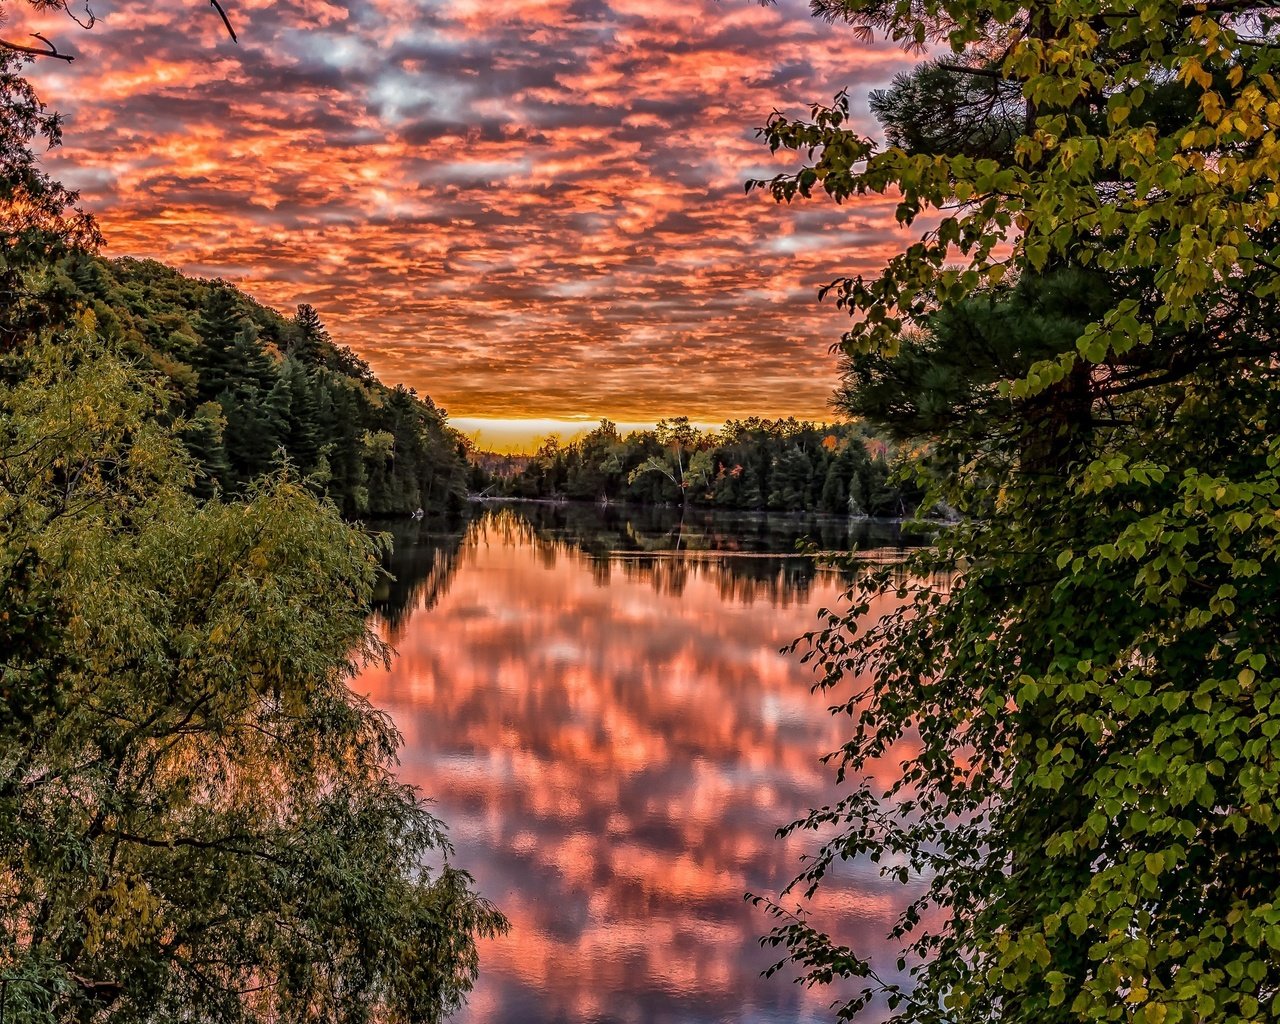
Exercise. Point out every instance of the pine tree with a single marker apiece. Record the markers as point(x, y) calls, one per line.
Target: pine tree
point(204, 438)
point(309, 341)
point(343, 450)
point(302, 433)
point(220, 326)
point(834, 490)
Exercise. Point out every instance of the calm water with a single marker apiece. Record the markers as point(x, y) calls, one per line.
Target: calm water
point(597, 705)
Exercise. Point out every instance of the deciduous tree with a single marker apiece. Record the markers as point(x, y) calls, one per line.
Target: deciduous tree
point(1082, 685)
point(198, 818)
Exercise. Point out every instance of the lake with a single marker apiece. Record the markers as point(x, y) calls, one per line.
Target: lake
point(596, 702)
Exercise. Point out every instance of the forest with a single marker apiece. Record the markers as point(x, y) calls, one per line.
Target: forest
point(254, 388)
point(749, 465)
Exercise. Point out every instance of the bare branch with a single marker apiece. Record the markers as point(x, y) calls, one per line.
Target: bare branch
point(90, 19)
point(51, 51)
point(225, 20)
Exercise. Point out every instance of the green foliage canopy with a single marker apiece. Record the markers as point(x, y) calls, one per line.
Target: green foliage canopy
point(255, 385)
point(1082, 683)
point(752, 464)
point(198, 819)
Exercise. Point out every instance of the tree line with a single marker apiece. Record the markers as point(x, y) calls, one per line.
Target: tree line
point(254, 387)
point(751, 464)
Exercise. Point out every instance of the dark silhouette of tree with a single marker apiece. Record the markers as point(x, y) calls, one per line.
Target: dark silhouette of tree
point(754, 464)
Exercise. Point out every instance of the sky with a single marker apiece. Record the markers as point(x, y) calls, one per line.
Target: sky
point(530, 211)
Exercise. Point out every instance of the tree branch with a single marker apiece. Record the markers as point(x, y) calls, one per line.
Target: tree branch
point(51, 51)
point(225, 20)
point(220, 845)
point(964, 69)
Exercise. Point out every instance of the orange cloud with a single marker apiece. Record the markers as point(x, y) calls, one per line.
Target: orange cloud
point(529, 210)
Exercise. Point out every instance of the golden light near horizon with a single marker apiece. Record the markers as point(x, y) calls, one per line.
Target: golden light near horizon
point(526, 212)
point(524, 436)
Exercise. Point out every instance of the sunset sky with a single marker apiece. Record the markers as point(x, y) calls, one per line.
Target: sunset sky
point(528, 210)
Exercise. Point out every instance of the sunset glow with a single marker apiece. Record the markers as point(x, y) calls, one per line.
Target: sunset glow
point(523, 435)
point(613, 742)
point(529, 210)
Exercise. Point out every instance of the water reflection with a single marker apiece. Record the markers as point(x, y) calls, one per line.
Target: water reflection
point(750, 557)
point(613, 737)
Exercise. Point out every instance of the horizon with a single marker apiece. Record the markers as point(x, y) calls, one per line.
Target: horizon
point(518, 436)
point(521, 436)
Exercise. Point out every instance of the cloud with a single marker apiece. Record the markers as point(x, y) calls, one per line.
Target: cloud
point(529, 210)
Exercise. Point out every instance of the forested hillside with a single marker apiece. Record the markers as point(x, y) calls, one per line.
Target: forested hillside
point(752, 464)
point(253, 385)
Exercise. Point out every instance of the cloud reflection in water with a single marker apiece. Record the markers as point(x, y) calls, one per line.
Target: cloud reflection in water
point(613, 742)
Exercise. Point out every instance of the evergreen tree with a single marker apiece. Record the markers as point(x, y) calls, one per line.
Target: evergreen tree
point(204, 437)
point(835, 488)
point(309, 342)
point(792, 472)
point(278, 409)
point(220, 327)
point(303, 429)
point(87, 275)
point(344, 450)
point(215, 343)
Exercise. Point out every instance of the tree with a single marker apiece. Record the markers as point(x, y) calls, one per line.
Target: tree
point(303, 426)
point(204, 438)
point(835, 490)
point(310, 339)
point(198, 818)
point(215, 343)
point(737, 467)
point(37, 220)
point(598, 474)
point(791, 477)
point(679, 460)
point(1087, 665)
point(222, 323)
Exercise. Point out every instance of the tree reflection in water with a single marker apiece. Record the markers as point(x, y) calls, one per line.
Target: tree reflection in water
point(656, 544)
point(598, 705)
